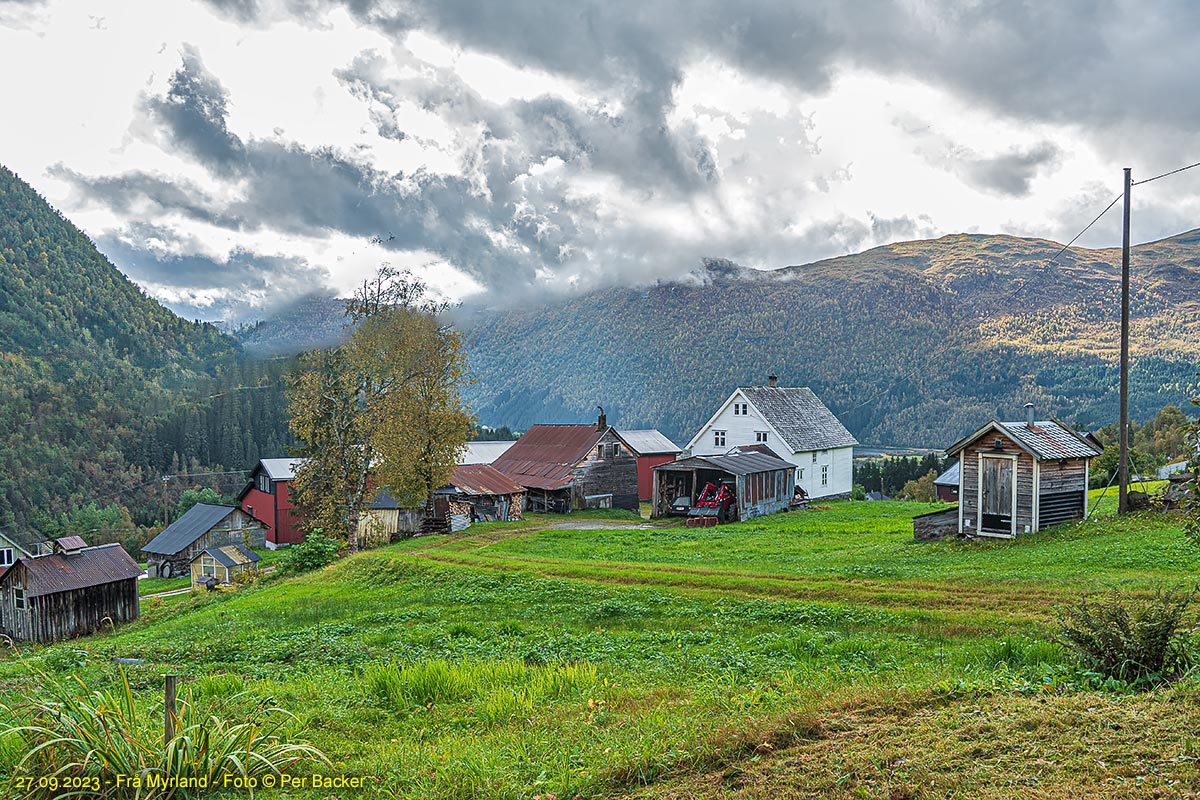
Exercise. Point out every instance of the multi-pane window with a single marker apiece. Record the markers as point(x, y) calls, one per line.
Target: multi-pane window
point(18, 597)
point(6, 556)
point(264, 482)
point(741, 409)
point(814, 458)
point(760, 436)
point(800, 474)
point(825, 475)
point(208, 567)
point(718, 438)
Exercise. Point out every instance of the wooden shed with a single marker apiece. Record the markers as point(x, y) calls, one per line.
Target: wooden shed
point(570, 467)
point(651, 448)
point(1019, 477)
point(74, 591)
point(170, 553)
point(482, 493)
point(764, 483)
point(221, 564)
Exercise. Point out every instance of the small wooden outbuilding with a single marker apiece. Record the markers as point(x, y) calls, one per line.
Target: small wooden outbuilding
point(651, 449)
point(946, 484)
point(73, 591)
point(482, 493)
point(1019, 477)
point(763, 483)
point(221, 564)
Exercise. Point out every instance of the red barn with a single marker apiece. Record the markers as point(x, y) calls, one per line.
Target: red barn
point(946, 484)
point(651, 449)
point(267, 499)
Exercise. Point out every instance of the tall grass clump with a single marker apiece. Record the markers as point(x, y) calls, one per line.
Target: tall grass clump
point(71, 732)
point(1141, 641)
point(499, 684)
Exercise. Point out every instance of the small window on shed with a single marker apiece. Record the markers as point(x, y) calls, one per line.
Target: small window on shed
point(718, 438)
point(208, 567)
point(616, 449)
point(6, 556)
point(18, 597)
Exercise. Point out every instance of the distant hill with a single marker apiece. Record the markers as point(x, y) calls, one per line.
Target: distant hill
point(308, 323)
point(102, 389)
point(910, 344)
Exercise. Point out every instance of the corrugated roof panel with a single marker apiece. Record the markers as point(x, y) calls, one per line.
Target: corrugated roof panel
point(92, 566)
point(545, 455)
point(648, 442)
point(745, 463)
point(479, 479)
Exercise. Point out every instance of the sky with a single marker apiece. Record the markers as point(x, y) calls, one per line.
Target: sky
point(233, 155)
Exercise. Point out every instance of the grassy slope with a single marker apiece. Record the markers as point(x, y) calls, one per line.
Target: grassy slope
point(711, 662)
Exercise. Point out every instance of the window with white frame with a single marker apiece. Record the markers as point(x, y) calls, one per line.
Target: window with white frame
point(800, 474)
point(718, 438)
point(18, 597)
point(741, 409)
point(208, 566)
point(760, 436)
point(6, 556)
point(616, 449)
point(814, 458)
point(825, 475)
point(264, 482)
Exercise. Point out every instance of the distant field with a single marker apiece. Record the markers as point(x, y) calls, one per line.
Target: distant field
point(820, 652)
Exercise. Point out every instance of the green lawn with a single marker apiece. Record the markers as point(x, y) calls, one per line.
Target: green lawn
point(519, 659)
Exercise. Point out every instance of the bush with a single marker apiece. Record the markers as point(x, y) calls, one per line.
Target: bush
point(314, 552)
point(1137, 640)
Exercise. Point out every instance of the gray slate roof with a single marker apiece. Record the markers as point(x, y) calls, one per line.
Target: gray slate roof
point(225, 558)
point(180, 534)
point(92, 566)
point(949, 477)
point(744, 463)
point(649, 442)
point(800, 417)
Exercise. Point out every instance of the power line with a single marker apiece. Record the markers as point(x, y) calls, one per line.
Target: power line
point(1067, 246)
point(1165, 174)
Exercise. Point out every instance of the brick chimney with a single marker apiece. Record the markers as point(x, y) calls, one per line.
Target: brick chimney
point(772, 381)
point(1029, 421)
point(601, 421)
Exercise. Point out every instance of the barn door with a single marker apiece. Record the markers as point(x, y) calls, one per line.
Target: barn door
point(996, 494)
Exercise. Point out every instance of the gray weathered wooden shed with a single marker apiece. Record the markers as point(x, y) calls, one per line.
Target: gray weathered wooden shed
point(170, 553)
point(74, 591)
point(764, 483)
point(1019, 477)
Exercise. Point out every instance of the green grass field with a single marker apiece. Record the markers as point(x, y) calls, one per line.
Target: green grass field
point(820, 652)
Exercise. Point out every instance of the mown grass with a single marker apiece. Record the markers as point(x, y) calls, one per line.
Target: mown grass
point(518, 660)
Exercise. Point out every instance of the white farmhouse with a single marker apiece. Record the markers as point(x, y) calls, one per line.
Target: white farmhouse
point(794, 424)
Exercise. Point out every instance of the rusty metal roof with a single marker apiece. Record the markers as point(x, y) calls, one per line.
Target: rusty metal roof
point(92, 566)
point(1046, 440)
point(478, 479)
point(70, 543)
point(545, 455)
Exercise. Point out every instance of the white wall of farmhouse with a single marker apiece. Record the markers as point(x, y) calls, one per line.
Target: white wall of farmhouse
point(742, 425)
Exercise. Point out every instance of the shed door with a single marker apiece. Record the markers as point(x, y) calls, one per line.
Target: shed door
point(996, 503)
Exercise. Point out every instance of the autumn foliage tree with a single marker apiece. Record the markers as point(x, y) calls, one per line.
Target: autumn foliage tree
point(382, 410)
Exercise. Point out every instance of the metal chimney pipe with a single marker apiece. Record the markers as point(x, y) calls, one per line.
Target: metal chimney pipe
point(1029, 415)
point(772, 381)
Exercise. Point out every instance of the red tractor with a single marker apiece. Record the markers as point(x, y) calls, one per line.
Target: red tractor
point(716, 503)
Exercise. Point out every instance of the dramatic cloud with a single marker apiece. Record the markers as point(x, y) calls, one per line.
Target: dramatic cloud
point(534, 146)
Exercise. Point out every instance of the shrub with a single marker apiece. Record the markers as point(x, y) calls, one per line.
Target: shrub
point(314, 552)
point(71, 732)
point(1136, 640)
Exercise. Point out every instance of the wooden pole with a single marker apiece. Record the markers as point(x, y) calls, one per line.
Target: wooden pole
point(169, 713)
point(1123, 465)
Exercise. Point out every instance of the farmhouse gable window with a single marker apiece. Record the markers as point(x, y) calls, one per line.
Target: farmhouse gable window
point(6, 556)
point(264, 482)
point(718, 438)
point(760, 437)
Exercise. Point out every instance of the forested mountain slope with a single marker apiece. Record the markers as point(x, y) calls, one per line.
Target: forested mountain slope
point(913, 343)
point(101, 387)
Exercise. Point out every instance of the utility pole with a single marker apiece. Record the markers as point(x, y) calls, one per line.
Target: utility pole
point(1123, 467)
point(165, 478)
